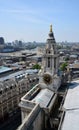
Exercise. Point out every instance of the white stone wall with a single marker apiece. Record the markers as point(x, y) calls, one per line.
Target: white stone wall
point(34, 120)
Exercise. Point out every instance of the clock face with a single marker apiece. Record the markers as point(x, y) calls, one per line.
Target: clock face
point(47, 78)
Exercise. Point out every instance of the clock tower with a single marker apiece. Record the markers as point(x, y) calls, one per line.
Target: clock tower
point(50, 59)
point(48, 75)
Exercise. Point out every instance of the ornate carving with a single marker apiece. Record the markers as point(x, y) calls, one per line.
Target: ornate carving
point(47, 78)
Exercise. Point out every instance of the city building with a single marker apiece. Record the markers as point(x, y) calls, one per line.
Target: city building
point(8, 98)
point(73, 69)
point(5, 70)
point(39, 104)
point(2, 40)
point(12, 88)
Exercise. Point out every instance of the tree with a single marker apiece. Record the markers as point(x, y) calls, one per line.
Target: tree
point(63, 66)
point(67, 58)
point(36, 66)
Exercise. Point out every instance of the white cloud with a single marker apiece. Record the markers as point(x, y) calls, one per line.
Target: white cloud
point(31, 16)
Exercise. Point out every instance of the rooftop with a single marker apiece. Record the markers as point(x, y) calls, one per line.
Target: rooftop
point(44, 97)
point(71, 120)
point(71, 108)
point(72, 98)
point(4, 69)
point(19, 73)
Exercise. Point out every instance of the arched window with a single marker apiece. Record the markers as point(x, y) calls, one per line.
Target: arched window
point(55, 63)
point(49, 52)
point(48, 61)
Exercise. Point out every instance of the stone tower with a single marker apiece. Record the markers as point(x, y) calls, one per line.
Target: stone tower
point(50, 59)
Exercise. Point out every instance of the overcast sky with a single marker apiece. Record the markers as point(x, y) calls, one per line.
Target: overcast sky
point(29, 20)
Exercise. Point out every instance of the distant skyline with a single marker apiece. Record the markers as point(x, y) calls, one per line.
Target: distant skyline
point(29, 20)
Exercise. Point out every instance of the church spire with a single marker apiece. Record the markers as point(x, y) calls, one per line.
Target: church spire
point(51, 57)
point(50, 28)
point(51, 35)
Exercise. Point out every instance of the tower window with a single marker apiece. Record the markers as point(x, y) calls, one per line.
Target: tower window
point(49, 52)
point(48, 61)
point(55, 63)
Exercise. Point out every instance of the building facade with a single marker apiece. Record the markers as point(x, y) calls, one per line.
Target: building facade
point(11, 91)
point(8, 98)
